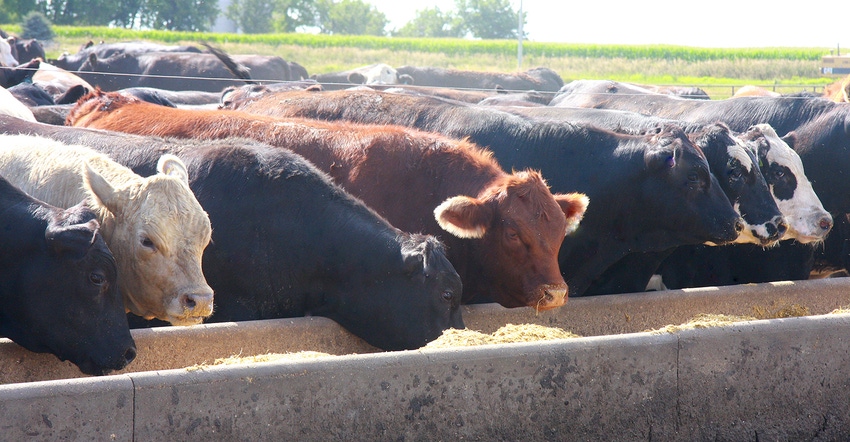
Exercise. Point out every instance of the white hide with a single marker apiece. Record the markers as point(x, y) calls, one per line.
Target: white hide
point(9, 105)
point(379, 73)
point(6, 58)
point(56, 81)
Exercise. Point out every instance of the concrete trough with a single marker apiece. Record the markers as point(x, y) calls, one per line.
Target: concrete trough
point(777, 379)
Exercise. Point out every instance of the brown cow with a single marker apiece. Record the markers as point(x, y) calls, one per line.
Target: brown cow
point(506, 228)
point(838, 91)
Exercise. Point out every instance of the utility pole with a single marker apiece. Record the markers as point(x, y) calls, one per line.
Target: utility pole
point(519, 38)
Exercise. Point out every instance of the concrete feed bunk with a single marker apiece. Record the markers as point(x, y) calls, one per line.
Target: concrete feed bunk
point(778, 379)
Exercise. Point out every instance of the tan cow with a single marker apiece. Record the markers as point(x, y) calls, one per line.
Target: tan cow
point(154, 226)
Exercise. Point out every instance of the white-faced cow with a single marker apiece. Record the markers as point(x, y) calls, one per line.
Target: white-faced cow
point(288, 242)
point(58, 284)
point(6, 58)
point(155, 226)
point(373, 74)
point(505, 228)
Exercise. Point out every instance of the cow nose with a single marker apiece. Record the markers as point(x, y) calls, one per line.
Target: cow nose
point(739, 225)
point(129, 355)
point(196, 301)
point(552, 297)
point(825, 223)
point(776, 228)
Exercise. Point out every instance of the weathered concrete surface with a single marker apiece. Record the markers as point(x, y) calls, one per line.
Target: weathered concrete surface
point(780, 379)
point(550, 391)
point(178, 347)
point(93, 409)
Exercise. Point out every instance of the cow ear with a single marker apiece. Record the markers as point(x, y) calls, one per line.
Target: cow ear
point(574, 205)
point(102, 192)
point(72, 240)
point(464, 217)
point(356, 78)
point(790, 139)
point(660, 158)
point(173, 166)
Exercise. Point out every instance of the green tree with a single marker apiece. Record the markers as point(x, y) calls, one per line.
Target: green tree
point(488, 19)
point(77, 12)
point(252, 16)
point(13, 11)
point(293, 15)
point(350, 17)
point(432, 22)
point(264, 16)
point(36, 25)
point(179, 15)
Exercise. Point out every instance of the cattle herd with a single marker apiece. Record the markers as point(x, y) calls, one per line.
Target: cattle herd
point(145, 184)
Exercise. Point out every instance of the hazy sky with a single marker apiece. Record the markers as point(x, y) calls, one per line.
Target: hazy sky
point(713, 24)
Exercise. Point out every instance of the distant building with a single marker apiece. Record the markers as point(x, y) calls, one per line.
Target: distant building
point(222, 23)
point(835, 65)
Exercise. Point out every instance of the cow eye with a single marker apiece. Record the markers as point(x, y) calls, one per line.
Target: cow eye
point(448, 295)
point(147, 243)
point(778, 173)
point(97, 278)
point(693, 177)
point(736, 172)
point(512, 235)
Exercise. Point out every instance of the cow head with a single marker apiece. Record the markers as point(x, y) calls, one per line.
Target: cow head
point(737, 171)
point(65, 297)
point(519, 226)
point(426, 302)
point(158, 232)
point(6, 58)
point(782, 167)
point(684, 193)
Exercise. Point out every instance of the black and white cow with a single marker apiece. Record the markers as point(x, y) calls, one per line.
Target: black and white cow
point(807, 220)
point(58, 284)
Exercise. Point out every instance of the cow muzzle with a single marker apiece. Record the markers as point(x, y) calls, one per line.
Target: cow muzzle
point(191, 307)
point(551, 296)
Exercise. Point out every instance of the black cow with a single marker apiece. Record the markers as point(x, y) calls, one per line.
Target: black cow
point(27, 49)
point(11, 76)
point(784, 114)
point(73, 62)
point(287, 242)
point(58, 288)
point(538, 79)
point(647, 192)
point(177, 71)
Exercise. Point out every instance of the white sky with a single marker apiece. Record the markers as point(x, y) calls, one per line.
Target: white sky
point(713, 24)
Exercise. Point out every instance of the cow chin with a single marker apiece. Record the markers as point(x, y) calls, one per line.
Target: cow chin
point(181, 321)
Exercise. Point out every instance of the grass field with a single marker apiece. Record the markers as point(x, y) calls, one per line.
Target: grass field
point(718, 71)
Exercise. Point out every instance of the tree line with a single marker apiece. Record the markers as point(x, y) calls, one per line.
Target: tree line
point(486, 19)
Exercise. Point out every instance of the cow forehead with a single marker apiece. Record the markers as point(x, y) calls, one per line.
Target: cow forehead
point(780, 153)
point(526, 201)
point(740, 152)
point(170, 209)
